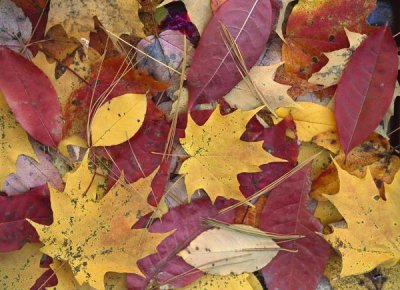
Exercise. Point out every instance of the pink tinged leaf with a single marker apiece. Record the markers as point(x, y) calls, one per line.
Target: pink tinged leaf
point(365, 90)
point(186, 220)
point(213, 72)
point(286, 213)
point(31, 174)
point(31, 97)
point(15, 231)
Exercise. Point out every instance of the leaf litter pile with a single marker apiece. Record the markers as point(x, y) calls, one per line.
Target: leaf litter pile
point(237, 144)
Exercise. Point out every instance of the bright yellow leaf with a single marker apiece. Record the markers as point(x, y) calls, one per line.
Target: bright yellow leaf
point(13, 141)
point(246, 281)
point(76, 16)
point(310, 119)
point(330, 74)
point(372, 236)
point(217, 155)
point(67, 281)
point(20, 269)
point(271, 93)
point(118, 120)
point(95, 236)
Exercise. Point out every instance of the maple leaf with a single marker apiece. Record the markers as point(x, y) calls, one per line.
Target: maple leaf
point(372, 235)
point(118, 17)
point(20, 269)
point(281, 18)
point(13, 141)
point(330, 74)
point(246, 281)
point(311, 119)
point(272, 93)
point(217, 155)
point(95, 237)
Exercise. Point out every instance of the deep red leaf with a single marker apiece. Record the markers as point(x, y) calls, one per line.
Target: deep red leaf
point(31, 97)
point(186, 220)
point(365, 90)
point(15, 231)
point(286, 213)
point(213, 72)
point(276, 143)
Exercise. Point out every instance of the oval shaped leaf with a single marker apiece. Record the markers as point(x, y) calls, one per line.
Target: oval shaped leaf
point(213, 72)
point(366, 88)
point(118, 120)
point(31, 97)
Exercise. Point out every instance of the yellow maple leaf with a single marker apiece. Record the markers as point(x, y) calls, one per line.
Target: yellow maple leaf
point(67, 281)
point(311, 119)
point(372, 236)
point(95, 236)
point(13, 141)
point(76, 16)
point(272, 93)
point(20, 269)
point(330, 74)
point(118, 120)
point(246, 281)
point(217, 155)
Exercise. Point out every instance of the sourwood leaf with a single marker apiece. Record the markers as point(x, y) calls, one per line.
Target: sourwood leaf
point(217, 155)
point(249, 22)
point(118, 120)
point(95, 236)
point(365, 90)
point(286, 212)
point(31, 97)
point(372, 235)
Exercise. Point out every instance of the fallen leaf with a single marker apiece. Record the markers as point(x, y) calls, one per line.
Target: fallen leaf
point(372, 237)
point(281, 18)
point(92, 235)
point(330, 74)
point(215, 4)
point(30, 174)
point(15, 230)
point(68, 82)
point(273, 93)
point(67, 281)
point(286, 213)
point(249, 249)
point(15, 27)
point(244, 19)
point(328, 140)
point(77, 17)
point(375, 153)
point(310, 119)
point(20, 269)
point(380, 278)
point(118, 120)
point(217, 155)
point(31, 97)
point(244, 281)
point(366, 88)
point(13, 142)
point(186, 219)
point(314, 27)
